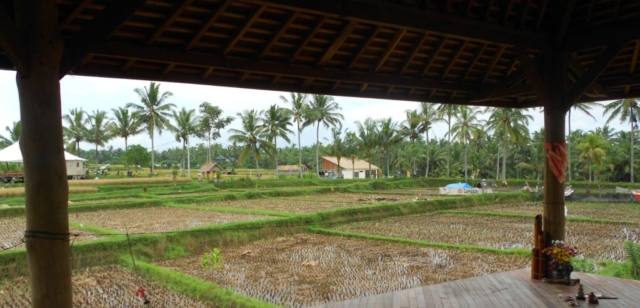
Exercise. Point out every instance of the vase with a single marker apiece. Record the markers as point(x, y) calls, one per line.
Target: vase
point(566, 272)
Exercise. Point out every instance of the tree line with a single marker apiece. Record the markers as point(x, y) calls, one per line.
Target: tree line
point(500, 146)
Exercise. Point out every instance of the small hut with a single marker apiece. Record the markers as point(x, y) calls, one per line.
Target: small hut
point(208, 168)
point(291, 169)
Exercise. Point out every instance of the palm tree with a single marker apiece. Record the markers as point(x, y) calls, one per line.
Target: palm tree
point(275, 124)
point(368, 139)
point(100, 130)
point(446, 112)
point(252, 137)
point(299, 110)
point(337, 148)
point(13, 134)
point(428, 116)
point(154, 112)
point(466, 122)
point(125, 125)
point(585, 108)
point(351, 142)
point(511, 125)
point(76, 129)
point(323, 110)
point(592, 150)
point(625, 110)
point(388, 137)
point(412, 128)
point(186, 126)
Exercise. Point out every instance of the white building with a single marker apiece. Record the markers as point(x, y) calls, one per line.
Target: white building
point(358, 169)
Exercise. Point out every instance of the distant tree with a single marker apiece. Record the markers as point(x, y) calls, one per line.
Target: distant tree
point(13, 134)
point(411, 129)
point(593, 150)
point(211, 123)
point(323, 110)
point(275, 124)
point(446, 113)
point(186, 126)
point(466, 123)
point(368, 138)
point(351, 148)
point(76, 129)
point(154, 112)
point(336, 147)
point(125, 125)
point(299, 111)
point(626, 110)
point(100, 130)
point(252, 138)
point(138, 155)
point(586, 109)
point(511, 124)
point(388, 137)
point(428, 117)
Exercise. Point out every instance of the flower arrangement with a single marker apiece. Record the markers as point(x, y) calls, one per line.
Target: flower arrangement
point(560, 254)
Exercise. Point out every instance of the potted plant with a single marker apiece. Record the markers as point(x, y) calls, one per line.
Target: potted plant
point(560, 260)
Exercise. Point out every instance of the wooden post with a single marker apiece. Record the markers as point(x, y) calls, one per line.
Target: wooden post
point(554, 130)
point(46, 187)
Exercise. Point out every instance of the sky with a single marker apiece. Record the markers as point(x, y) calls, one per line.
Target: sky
point(91, 93)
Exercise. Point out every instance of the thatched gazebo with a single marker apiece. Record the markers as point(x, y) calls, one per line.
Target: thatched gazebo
point(209, 168)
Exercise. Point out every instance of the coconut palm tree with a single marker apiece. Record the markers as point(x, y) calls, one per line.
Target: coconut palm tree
point(299, 110)
point(100, 130)
point(352, 152)
point(411, 129)
point(368, 138)
point(154, 111)
point(586, 109)
point(446, 113)
point(185, 127)
point(275, 124)
point(125, 125)
point(466, 122)
point(323, 110)
point(76, 129)
point(388, 137)
point(511, 125)
point(13, 134)
point(592, 148)
point(626, 110)
point(429, 117)
point(337, 146)
point(251, 137)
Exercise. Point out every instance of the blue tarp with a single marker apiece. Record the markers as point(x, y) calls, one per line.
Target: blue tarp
point(459, 185)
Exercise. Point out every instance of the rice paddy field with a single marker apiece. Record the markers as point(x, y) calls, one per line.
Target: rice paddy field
point(286, 245)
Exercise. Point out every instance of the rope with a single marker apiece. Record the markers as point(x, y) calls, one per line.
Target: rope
point(44, 235)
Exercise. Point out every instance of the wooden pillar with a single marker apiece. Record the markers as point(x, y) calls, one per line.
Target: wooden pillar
point(46, 187)
point(554, 128)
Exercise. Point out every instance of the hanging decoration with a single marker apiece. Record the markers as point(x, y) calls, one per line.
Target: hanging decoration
point(556, 153)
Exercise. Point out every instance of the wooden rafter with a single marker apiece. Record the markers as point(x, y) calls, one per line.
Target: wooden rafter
point(275, 38)
point(223, 7)
point(178, 11)
point(363, 47)
point(389, 49)
point(308, 38)
point(594, 71)
point(587, 18)
point(564, 21)
point(12, 44)
point(493, 62)
point(491, 91)
point(533, 74)
point(434, 55)
point(454, 57)
point(96, 32)
point(417, 20)
point(207, 73)
point(473, 62)
point(543, 9)
point(240, 32)
point(579, 71)
point(344, 34)
point(413, 52)
point(525, 11)
point(161, 55)
point(603, 36)
point(75, 12)
point(625, 81)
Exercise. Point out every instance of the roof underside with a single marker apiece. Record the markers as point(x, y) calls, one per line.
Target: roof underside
point(449, 51)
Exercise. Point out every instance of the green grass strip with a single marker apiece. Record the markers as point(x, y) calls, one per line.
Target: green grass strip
point(515, 251)
point(230, 210)
point(92, 228)
point(516, 215)
point(194, 287)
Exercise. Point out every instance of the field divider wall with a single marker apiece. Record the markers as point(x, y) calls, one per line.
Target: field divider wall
point(230, 210)
point(515, 215)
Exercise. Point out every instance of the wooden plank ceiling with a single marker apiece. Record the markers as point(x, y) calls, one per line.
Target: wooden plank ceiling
point(456, 51)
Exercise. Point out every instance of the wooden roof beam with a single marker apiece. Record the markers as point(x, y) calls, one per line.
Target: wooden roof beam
point(594, 71)
point(169, 21)
point(497, 89)
point(579, 71)
point(433, 56)
point(533, 74)
point(602, 36)
point(390, 47)
point(97, 31)
point(208, 24)
point(363, 47)
point(12, 44)
point(418, 20)
point(346, 31)
point(274, 39)
point(455, 56)
point(308, 38)
point(75, 12)
point(127, 51)
point(240, 32)
point(413, 52)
